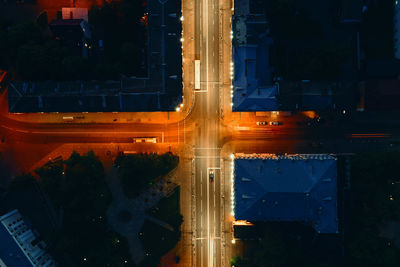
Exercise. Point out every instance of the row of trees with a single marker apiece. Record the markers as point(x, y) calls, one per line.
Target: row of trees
point(156, 239)
point(138, 172)
point(78, 191)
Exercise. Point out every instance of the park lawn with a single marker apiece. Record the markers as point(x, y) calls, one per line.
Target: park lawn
point(138, 172)
point(158, 240)
point(168, 208)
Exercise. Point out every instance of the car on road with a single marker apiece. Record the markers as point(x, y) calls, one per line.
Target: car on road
point(276, 123)
point(211, 175)
point(262, 122)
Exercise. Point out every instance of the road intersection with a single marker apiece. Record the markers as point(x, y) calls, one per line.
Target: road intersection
point(205, 131)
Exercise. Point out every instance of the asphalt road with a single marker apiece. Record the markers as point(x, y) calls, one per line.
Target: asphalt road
point(207, 232)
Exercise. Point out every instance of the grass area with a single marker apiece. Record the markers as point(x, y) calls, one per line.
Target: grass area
point(168, 208)
point(156, 239)
point(138, 172)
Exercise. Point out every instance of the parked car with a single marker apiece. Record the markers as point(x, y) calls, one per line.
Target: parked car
point(211, 175)
point(262, 122)
point(275, 123)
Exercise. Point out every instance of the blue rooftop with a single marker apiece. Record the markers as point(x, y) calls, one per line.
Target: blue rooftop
point(10, 252)
point(253, 88)
point(287, 188)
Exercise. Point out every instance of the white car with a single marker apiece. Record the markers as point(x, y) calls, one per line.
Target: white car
point(276, 123)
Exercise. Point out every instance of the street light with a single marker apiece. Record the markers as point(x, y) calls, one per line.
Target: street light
point(177, 109)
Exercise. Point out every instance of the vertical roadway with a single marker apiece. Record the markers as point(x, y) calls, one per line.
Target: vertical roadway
point(206, 134)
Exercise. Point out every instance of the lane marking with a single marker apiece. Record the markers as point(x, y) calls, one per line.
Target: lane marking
point(203, 238)
point(207, 148)
point(13, 129)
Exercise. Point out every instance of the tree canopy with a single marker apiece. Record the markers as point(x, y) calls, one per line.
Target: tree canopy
point(78, 191)
point(138, 172)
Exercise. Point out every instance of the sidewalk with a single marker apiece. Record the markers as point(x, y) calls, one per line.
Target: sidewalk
point(101, 117)
point(135, 208)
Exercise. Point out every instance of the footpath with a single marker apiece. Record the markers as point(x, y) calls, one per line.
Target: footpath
point(100, 117)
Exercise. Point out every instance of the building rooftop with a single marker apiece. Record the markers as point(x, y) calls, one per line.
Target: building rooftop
point(287, 188)
point(253, 88)
point(20, 245)
point(66, 22)
point(74, 13)
point(10, 253)
point(160, 90)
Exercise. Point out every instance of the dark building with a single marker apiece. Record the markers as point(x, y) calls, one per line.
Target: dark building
point(256, 83)
point(253, 88)
point(20, 245)
point(161, 90)
point(382, 69)
point(74, 33)
point(287, 188)
point(350, 11)
point(382, 95)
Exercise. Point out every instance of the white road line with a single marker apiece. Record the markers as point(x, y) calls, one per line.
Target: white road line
point(94, 132)
point(15, 130)
point(214, 200)
point(201, 216)
point(207, 148)
point(201, 183)
point(208, 217)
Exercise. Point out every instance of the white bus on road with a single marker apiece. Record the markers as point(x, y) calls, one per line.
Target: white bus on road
point(145, 140)
point(197, 74)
